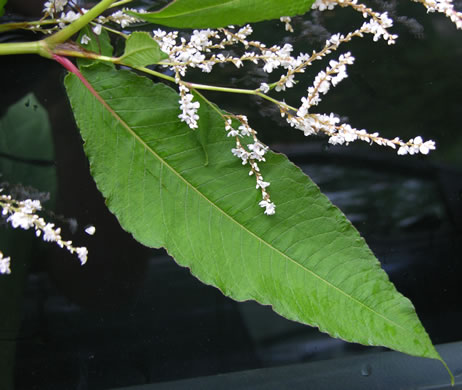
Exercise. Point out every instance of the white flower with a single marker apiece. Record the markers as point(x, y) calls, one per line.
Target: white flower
point(50, 234)
point(403, 150)
point(245, 129)
point(323, 5)
point(426, 147)
point(22, 220)
point(262, 184)
point(97, 29)
point(379, 27)
point(85, 39)
point(30, 206)
point(270, 206)
point(123, 19)
point(82, 252)
point(286, 81)
point(166, 41)
point(53, 6)
point(241, 153)
point(4, 264)
point(258, 150)
point(90, 230)
point(287, 20)
point(264, 87)
point(271, 62)
point(188, 107)
point(23, 215)
point(200, 38)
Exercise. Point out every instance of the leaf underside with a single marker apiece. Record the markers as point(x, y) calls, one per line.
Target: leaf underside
point(222, 13)
point(307, 261)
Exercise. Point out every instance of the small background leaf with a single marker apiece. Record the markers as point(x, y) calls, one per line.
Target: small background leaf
point(307, 261)
point(26, 139)
point(2, 6)
point(142, 50)
point(222, 13)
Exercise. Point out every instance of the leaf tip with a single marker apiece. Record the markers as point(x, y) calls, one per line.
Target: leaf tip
point(449, 371)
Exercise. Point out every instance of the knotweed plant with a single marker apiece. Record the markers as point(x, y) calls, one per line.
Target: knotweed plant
point(187, 173)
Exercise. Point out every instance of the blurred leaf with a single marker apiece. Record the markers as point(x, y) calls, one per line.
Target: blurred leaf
point(26, 146)
point(2, 6)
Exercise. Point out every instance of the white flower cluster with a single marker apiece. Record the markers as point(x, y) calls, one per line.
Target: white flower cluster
point(188, 107)
point(343, 134)
point(121, 17)
point(251, 153)
point(4, 264)
point(415, 146)
point(52, 7)
point(377, 25)
point(445, 7)
point(192, 52)
point(287, 20)
point(323, 5)
point(198, 52)
point(334, 73)
point(69, 17)
point(23, 214)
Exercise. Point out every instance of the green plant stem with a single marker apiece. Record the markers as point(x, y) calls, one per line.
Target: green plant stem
point(17, 25)
point(45, 46)
point(84, 54)
point(205, 87)
point(34, 47)
point(121, 2)
point(125, 36)
point(194, 85)
point(67, 32)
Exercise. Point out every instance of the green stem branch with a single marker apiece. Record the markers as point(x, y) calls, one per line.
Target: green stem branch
point(205, 87)
point(121, 2)
point(24, 25)
point(35, 47)
point(67, 32)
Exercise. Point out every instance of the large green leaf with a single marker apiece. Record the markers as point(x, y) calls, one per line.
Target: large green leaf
point(306, 261)
point(222, 13)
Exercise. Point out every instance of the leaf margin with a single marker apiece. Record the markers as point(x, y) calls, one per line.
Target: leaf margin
point(434, 353)
point(221, 14)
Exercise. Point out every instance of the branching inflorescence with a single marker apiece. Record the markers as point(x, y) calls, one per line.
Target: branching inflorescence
point(203, 49)
point(23, 214)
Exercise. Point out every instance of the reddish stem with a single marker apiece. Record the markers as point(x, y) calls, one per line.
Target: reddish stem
point(73, 69)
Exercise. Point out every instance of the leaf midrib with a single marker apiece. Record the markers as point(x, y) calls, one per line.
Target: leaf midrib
point(179, 176)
